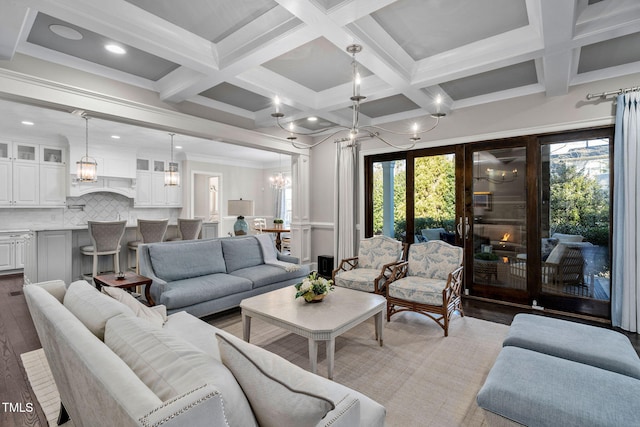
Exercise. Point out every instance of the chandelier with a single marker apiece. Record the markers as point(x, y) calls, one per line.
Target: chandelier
point(356, 131)
point(171, 174)
point(279, 181)
point(87, 167)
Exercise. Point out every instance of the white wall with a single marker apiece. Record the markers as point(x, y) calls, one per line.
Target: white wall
point(521, 116)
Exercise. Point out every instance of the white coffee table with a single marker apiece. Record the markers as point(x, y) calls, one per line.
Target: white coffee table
point(340, 311)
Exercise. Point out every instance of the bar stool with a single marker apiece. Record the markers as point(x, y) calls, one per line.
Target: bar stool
point(151, 231)
point(188, 229)
point(105, 240)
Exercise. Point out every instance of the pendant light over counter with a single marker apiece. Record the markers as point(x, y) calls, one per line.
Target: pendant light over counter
point(87, 167)
point(171, 174)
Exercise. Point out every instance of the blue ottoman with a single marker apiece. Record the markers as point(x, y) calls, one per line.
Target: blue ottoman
point(586, 344)
point(535, 389)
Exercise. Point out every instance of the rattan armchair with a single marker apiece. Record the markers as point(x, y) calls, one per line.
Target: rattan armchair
point(372, 267)
point(429, 283)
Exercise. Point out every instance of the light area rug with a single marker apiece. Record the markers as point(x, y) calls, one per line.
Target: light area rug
point(44, 387)
point(422, 378)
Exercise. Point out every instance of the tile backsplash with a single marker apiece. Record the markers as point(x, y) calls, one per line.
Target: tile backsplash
point(95, 206)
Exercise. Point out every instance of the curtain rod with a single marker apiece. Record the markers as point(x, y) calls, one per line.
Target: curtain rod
point(613, 92)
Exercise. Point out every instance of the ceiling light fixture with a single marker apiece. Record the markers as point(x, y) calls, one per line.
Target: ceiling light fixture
point(279, 181)
point(356, 129)
point(27, 123)
point(171, 174)
point(87, 167)
point(114, 48)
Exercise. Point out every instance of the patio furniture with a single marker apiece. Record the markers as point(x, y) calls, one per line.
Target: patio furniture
point(429, 282)
point(372, 267)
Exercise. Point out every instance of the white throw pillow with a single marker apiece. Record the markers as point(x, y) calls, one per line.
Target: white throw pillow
point(156, 315)
point(281, 394)
point(170, 366)
point(91, 307)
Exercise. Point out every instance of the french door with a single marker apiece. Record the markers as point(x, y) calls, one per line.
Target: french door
point(532, 213)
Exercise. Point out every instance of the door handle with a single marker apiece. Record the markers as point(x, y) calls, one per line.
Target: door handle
point(467, 227)
point(459, 227)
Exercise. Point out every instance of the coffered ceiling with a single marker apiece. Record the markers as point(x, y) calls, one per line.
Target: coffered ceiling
point(228, 59)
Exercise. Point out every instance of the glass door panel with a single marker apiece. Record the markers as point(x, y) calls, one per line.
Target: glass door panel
point(575, 221)
point(389, 198)
point(434, 198)
point(499, 231)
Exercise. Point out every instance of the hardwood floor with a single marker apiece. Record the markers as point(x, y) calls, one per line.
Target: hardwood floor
point(17, 336)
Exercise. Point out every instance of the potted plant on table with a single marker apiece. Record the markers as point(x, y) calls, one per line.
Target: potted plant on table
point(277, 222)
point(314, 288)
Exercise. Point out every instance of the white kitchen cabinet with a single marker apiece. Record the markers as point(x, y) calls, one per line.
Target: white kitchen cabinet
point(32, 175)
point(53, 256)
point(53, 185)
point(25, 184)
point(150, 188)
point(11, 251)
point(19, 174)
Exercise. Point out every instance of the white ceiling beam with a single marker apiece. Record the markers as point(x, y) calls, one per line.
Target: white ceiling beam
point(252, 60)
point(558, 20)
point(124, 22)
point(12, 26)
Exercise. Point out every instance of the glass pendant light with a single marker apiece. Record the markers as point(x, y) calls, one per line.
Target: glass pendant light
point(171, 174)
point(87, 167)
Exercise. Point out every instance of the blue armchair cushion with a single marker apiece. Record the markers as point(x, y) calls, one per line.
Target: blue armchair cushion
point(241, 253)
point(418, 289)
point(433, 260)
point(195, 258)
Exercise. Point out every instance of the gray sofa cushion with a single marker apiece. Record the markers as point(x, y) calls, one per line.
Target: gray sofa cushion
point(193, 259)
point(241, 253)
point(263, 275)
point(182, 293)
point(536, 389)
point(591, 345)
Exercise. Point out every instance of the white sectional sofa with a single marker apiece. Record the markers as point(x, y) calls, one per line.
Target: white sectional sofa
point(118, 364)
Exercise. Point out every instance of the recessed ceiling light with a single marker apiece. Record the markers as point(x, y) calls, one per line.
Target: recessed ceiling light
point(178, 147)
point(114, 48)
point(312, 119)
point(115, 136)
point(65, 32)
point(27, 123)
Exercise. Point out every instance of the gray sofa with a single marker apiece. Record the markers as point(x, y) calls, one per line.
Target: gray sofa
point(204, 277)
point(553, 372)
point(116, 365)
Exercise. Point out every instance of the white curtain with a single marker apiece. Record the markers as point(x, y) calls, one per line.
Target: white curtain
point(279, 202)
point(345, 184)
point(625, 297)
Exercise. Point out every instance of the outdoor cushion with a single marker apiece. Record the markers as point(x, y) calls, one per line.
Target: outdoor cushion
point(170, 366)
point(432, 233)
point(587, 344)
point(195, 258)
point(418, 289)
point(182, 293)
point(263, 275)
point(241, 253)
